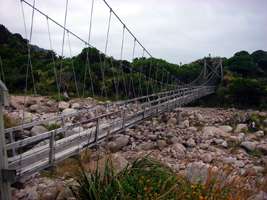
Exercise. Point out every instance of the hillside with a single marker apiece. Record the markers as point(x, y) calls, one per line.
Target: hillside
point(244, 74)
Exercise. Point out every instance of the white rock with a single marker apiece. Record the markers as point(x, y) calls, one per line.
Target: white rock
point(63, 105)
point(178, 150)
point(172, 121)
point(36, 130)
point(75, 106)
point(241, 127)
point(224, 144)
point(250, 146)
point(211, 132)
point(226, 129)
point(68, 111)
point(118, 143)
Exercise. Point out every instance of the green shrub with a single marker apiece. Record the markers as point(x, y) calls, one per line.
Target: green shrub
point(149, 179)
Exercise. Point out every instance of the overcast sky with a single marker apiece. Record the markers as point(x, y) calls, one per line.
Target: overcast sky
point(175, 30)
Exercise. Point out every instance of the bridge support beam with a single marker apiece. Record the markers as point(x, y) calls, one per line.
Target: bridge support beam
point(4, 182)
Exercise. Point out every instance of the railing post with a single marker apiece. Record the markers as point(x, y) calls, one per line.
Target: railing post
point(4, 184)
point(52, 148)
point(123, 119)
point(97, 130)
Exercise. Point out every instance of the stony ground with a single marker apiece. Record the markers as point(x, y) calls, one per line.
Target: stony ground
point(189, 140)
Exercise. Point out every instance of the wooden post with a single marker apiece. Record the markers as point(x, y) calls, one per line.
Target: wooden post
point(123, 119)
point(11, 136)
point(4, 184)
point(97, 131)
point(52, 148)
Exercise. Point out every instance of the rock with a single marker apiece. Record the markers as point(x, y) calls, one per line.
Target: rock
point(77, 129)
point(249, 146)
point(241, 127)
point(161, 144)
point(173, 140)
point(152, 137)
point(146, 146)
point(259, 133)
point(265, 122)
point(226, 129)
point(51, 194)
point(218, 141)
point(62, 105)
point(30, 102)
point(224, 144)
point(68, 111)
point(211, 132)
point(75, 106)
point(35, 108)
point(191, 143)
point(197, 172)
point(172, 121)
point(199, 117)
point(118, 143)
point(50, 103)
point(36, 130)
point(27, 118)
point(262, 148)
point(178, 150)
point(119, 162)
point(192, 129)
point(164, 117)
point(241, 137)
point(260, 196)
point(207, 158)
point(184, 124)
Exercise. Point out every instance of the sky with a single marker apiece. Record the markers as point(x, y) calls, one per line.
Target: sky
point(179, 31)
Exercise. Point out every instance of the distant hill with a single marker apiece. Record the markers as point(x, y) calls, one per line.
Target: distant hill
point(244, 84)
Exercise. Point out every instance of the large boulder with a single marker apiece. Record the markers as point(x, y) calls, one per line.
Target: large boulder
point(184, 124)
point(68, 111)
point(36, 130)
point(241, 128)
point(190, 143)
point(197, 172)
point(146, 146)
point(178, 150)
point(262, 148)
point(172, 121)
point(118, 143)
point(75, 106)
point(62, 105)
point(212, 131)
point(249, 146)
point(226, 129)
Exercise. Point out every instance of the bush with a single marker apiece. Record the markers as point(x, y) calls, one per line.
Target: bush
point(149, 179)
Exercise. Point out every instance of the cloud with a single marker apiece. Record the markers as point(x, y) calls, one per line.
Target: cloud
point(178, 31)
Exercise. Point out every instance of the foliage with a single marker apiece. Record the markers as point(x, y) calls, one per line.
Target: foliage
point(149, 179)
point(105, 77)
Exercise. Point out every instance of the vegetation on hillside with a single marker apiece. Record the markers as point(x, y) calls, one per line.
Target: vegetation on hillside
point(244, 83)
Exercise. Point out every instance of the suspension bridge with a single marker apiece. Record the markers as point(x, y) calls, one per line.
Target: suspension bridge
point(22, 158)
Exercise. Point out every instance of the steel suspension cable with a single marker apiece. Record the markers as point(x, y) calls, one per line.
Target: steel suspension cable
point(72, 66)
point(106, 48)
point(88, 50)
point(121, 55)
point(54, 63)
point(63, 44)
